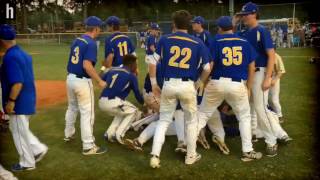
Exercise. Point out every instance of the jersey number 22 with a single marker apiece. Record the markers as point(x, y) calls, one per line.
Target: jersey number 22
point(177, 52)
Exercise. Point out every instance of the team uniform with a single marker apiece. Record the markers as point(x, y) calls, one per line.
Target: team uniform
point(80, 90)
point(113, 100)
point(119, 45)
point(205, 36)
point(17, 68)
point(232, 56)
point(180, 54)
point(151, 41)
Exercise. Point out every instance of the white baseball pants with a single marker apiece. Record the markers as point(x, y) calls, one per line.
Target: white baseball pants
point(80, 98)
point(6, 175)
point(124, 114)
point(274, 98)
point(172, 91)
point(26, 143)
point(235, 94)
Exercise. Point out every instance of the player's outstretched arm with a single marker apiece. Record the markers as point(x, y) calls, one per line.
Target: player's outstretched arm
point(271, 60)
point(251, 72)
point(88, 67)
point(14, 93)
point(108, 61)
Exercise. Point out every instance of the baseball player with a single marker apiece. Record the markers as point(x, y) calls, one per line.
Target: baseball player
point(200, 32)
point(151, 41)
point(19, 100)
point(279, 37)
point(260, 38)
point(180, 55)
point(82, 59)
point(231, 81)
point(120, 81)
point(274, 92)
point(117, 45)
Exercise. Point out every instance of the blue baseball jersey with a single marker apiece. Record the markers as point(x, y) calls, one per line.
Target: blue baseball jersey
point(205, 36)
point(181, 55)
point(17, 68)
point(151, 41)
point(260, 38)
point(159, 77)
point(119, 83)
point(82, 48)
point(231, 55)
point(119, 45)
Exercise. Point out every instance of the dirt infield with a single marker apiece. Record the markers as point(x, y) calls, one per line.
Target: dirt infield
point(50, 93)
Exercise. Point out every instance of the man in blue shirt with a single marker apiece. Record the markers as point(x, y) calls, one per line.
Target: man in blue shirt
point(19, 99)
point(152, 39)
point(121, 80)
point(180, 55)
point(260, 38)
point(200, 32)
point(117, 45)
point(82, 59)
point(231, 80)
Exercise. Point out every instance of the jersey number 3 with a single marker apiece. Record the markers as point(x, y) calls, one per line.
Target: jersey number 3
point(75, 57)
point(177, 52)
point(232, 55)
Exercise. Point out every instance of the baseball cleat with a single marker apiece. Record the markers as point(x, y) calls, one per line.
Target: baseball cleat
point(252, 155)
point(285, 140)
point(192, 159)
point(221, 145)
point(133, 144)
point(271, 151)
point(41, 155)
point(155, 162)
point(70, 138)
point(202, 140)
point(181, 147)
point(18, 167)
point(93, 151)
point(109, 138)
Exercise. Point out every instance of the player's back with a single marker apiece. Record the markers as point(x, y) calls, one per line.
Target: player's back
point(120, 45)
point(82, 48)
point(231, 55)
point(118, 83)
point(181, 54)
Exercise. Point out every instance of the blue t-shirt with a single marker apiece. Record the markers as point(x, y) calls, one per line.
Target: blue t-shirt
point(260, 38)
point(205, 36)
point(17, 68)
point(82, 48)
point(181, 55)
point(119, 83)
point(119, 45)
point(151, 40)
point(231, 55)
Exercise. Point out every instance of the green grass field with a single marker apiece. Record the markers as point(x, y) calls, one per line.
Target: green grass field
point(65, 161)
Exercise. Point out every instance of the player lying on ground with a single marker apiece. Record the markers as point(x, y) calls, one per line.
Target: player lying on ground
point(121, 80)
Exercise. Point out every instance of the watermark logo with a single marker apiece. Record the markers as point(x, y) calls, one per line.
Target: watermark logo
point(7, 10)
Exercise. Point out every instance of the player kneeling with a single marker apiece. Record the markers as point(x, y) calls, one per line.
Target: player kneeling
point(120, 80)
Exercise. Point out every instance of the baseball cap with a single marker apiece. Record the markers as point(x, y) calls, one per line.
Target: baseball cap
point(93, 21)
point(154, 26)
point(7, 32)
point(224, 22)
point(198, 20)
point(113, 20)
point(248, 8)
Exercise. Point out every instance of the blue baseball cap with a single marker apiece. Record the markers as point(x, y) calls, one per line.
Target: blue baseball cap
point(198, 20)
point(224, 22)
point(154, 26)
point(93, 21)
point(113, 20)
point(248, 8)
point(7, 32)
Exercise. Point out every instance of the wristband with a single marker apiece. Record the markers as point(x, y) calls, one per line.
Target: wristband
point(153, 81)
point(103, 68)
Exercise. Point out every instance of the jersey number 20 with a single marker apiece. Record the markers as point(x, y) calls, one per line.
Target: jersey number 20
point(177, 52)
point(123, 48)
point(232, 55)
point(75, 57)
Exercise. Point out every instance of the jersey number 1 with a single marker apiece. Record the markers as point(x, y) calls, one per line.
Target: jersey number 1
point(114, 77)
point(123, 48)
point(232, 55)
point(177, 52)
